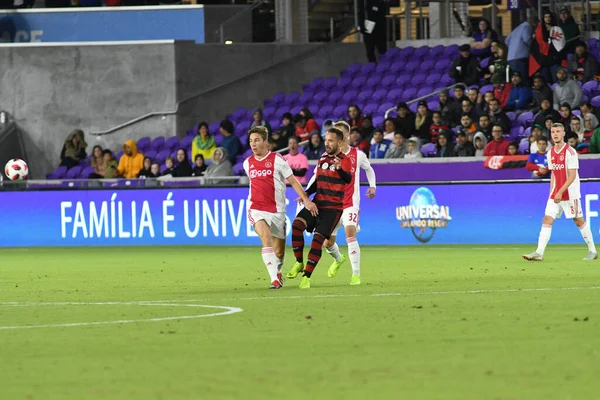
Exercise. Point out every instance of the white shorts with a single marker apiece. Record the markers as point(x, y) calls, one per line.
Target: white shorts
point(275, 220)
point(571, 208)
point(350, 217)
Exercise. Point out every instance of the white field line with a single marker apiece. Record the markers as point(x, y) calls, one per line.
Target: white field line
point(403, 294)
point(228, 311)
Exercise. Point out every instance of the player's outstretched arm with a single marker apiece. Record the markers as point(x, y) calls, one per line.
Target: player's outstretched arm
point(309, 205)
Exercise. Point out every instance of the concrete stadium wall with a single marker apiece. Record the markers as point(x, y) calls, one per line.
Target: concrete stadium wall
point(51, 90)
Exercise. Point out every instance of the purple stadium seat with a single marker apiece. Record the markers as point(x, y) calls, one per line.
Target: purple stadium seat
point(304, 98)
point(143, 143)
point(340, 111)
point(592, 42)
point(394, 95)
point(275, 123)
point(370, 108)
point(214, 127)
point(335, 96)
point(516, 132)
point(526, 117)
point(218, 139)
point(364, 95)
point(511, 115)
point(427, 65)
point(486, 88)
point(407, 51)
point(172, 143)
point(451, 51)
point(424, 91)
point(526, 132)
point(421, 51)
point(280, 111)
point(387, 81)
point(86, 172)
point(245, 125)
point(320, 97)
point(373, 81)
point(589, 87)
point(59, 172)
point(74, 172)
point(418, 79)
point(428, 150)
point(445, 80)
point(268, 112)
point(396, 69)
point(378, 121)
point(316, 83)
point(239, 159)
point(368, 68)
point(403, 80)
point(384, 107)
point(278, 98)
point(244, 141)
point(351, 71)
point(485, 62)
point(383, 67)
point(410, 93)
point(151, 153)
point(524, 147)
point(411, 66)
point(577, 112)
point(238, 169)
point(292, 97)
point(413, 107)
point(157, 143)
point(325, 111)
point(436, 51)
point(596, 101)
point(359, 81)
point(344, 82)
point(240, 112)
point(380, 94)
point(443, 66)
point(161, 156)
point(350, 95)
point(330, 82)
point(433, 105)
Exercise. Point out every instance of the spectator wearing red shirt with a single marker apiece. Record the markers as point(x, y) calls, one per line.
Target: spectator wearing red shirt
point(501, 90)
point(498, 146)
point(354, 118)
point(437, 126)
point(304, 127)
point(357, 141)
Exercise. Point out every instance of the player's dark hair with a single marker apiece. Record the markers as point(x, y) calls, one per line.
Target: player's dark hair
point(338, 133)
point(259, 130)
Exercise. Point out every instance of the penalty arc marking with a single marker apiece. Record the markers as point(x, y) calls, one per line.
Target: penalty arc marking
point(226, 311)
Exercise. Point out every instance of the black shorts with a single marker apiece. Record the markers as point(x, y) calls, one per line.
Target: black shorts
point(324, 223)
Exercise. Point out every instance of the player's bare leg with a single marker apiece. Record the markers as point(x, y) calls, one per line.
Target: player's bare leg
point(586, 233)
point(268, 255)
point(298, 228)
point(279, 249)
point(544, 238)
point(332, 248)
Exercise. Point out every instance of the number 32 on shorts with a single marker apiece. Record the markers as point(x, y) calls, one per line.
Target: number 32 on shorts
point(353, 217)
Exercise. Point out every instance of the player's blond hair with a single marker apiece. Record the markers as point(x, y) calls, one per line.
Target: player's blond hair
point(343, 126)
point(558, 125)
point(259, 130)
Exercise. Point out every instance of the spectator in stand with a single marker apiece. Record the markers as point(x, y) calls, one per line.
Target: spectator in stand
point(221, 167)
point(390, 129)
point(464, 147)
point(286, 131)
point(468, 108)
point(380, 147)
point(155, 169)
point(183, 167)
point(569, 28)
point(590, 123)
point(519, 43)
point(271, 144)
point(73, 150)
point(498, 117)
point(595, 142)
point(581, 148)
point(487, 72)
point(482, 39)
point(146, 172)
point(501, 90)
point(305, 127)
point(305, 112)
point(498, 146)
point(357, 141)
point(577, 127)
point(541, 91)
point(398, 148)
point(546, 53)
point(548, 126)
point(170, 170)
point(423, 122)
point(520, 95)
point(111, 165)
point(500, 64)
point(327, 124)
point(367, 128)
point(257, 120)
point(444, 147)
point(437, 126)
point(354, 118)
point(536, 133)
point(485, 126)
point(414, 149)
point(584, 66)
point(203, 142)
point(513, 149)
point(546, 111)
point(131, 162)
point(445, 106)
point(480, 143)
point(467, 126)
point(298, 162)
point(199, 166)
point(456, 107)
point(97, 162)
point(465, 69)
point(565, 117)
point(567, 90)
point(230, 141)
point(537, 162)
point(587, 108)
point(314, 148)
point(473, 95)
point(405, 122)
point(372, 23)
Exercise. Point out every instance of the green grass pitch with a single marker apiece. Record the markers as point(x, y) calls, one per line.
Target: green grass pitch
point(451, 322)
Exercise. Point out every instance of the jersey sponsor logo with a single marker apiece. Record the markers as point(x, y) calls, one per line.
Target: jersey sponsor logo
point(256, 173)
point(423, 215)
point(557, 167)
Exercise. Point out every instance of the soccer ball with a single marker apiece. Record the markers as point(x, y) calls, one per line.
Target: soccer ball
point(16, 169)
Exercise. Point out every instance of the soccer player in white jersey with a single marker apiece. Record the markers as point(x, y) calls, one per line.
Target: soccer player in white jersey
point(266, 201)
point(350, 215)
point(565, 194)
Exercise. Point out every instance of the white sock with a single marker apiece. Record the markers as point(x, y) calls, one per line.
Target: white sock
point(543, 239)
point(354, 253)
point(334, 251)
point(586, 232)
point(268, 256)
point(280, 262)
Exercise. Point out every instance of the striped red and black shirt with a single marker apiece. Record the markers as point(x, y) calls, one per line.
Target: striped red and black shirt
point(329, 183)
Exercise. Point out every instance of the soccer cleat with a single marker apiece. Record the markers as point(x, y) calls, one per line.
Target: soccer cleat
point(591, 256)
point(296, 269)
point(280, 277)
point(305, 283)
point(335, 267)
point(276, 284)
point(533, 257)
point(355, 280)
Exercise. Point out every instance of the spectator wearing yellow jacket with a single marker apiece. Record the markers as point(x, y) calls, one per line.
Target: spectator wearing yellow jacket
point(203, 144)
point(132, 162)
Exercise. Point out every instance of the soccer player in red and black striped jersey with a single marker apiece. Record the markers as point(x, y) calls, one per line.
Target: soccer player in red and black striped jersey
point(334, 172)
